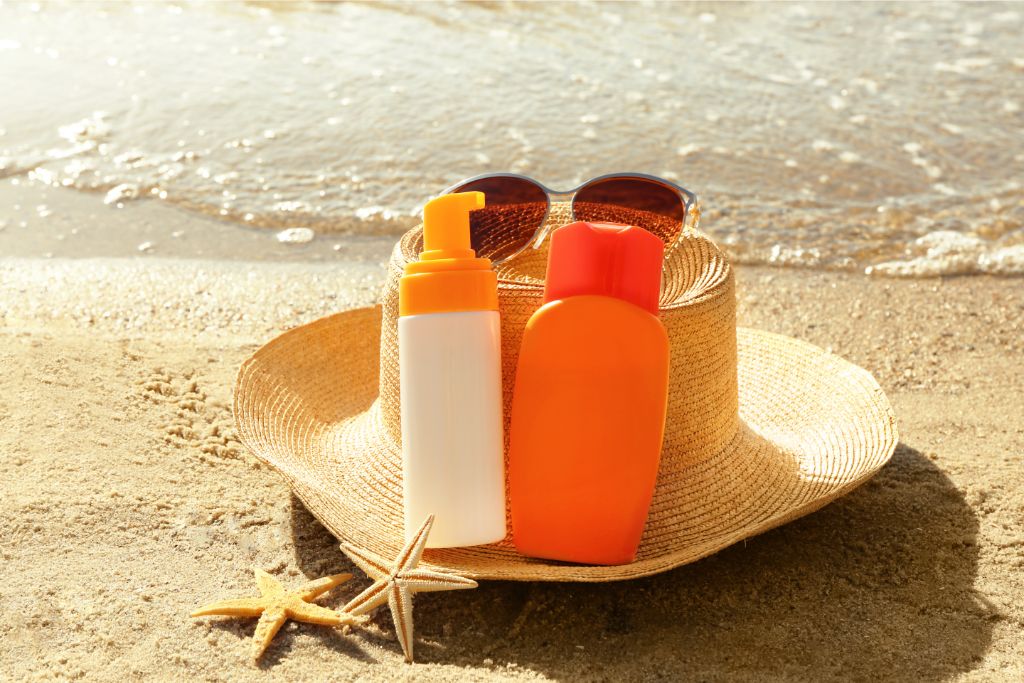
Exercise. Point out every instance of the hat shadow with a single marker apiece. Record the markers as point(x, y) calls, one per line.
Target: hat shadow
point(877, 585)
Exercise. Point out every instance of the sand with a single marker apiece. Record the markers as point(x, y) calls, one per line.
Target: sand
point(126, 502)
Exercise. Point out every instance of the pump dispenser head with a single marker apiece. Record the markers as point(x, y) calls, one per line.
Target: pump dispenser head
point(448, 277)
point(606, 259)
point(446, 225)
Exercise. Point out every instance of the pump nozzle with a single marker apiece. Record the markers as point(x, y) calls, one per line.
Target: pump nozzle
point(446, 225)
point(448, 277)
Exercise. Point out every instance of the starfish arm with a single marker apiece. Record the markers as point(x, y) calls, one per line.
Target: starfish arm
point(317, 614)
point(410, 555)
point(375, 566)
point(371, 598)
point(426, 581)
point(268, 585)
point(269, 624)
point(239, 607)
point(318, 587)
point(400, 602)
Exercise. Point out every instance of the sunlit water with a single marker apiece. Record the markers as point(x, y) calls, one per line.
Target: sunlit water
point(874, 137)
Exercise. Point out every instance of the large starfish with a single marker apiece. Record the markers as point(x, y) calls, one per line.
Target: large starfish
point(396, 582)
point(275, 606)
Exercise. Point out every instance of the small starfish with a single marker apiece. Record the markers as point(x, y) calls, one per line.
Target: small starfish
point(396, 582)
point(275, 606)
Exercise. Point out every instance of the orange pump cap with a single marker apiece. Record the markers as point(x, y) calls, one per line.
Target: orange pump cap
point(446, 225)
point(448, 277)
point(605, 259)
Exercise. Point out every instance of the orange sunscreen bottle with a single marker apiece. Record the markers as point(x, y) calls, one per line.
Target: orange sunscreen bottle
point(588, 412)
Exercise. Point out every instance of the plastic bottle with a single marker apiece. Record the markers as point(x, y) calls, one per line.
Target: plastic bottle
point(449, 346)
point(588, 413)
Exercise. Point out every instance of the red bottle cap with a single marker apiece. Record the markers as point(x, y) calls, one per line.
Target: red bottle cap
point(605, 259)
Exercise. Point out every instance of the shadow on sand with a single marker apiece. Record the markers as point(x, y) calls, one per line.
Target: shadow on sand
point(878, 585)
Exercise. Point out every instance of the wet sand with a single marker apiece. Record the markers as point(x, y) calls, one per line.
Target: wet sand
point(126, 501)
point(54, 222)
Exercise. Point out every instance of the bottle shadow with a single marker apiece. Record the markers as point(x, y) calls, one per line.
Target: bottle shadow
point(877, 585)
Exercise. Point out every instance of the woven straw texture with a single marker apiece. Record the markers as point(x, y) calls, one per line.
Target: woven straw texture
point(761, 428)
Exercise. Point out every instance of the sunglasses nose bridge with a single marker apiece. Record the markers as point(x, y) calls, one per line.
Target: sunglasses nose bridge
point(558, 196)
point(559, 214)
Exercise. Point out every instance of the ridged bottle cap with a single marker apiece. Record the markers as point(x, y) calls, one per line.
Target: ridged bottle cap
point(605, 259)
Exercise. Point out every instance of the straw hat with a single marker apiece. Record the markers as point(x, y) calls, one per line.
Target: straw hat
point(761, 428)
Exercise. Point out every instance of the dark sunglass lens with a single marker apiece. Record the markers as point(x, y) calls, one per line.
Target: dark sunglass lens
point(515, 208)
point(633, 201)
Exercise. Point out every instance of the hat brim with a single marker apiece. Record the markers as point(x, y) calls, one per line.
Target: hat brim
point(813, 427)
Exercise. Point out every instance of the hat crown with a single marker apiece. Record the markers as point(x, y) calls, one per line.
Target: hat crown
point(697, 307)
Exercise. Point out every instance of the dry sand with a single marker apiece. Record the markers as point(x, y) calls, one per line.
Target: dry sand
point(125, 501)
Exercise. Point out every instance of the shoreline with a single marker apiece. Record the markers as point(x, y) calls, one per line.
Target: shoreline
point(129, 502)
point(58, 222)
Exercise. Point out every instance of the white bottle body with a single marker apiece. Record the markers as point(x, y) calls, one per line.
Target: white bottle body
point(452, 443)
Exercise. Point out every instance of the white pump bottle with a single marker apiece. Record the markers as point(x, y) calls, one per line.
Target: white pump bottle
point(449, 346)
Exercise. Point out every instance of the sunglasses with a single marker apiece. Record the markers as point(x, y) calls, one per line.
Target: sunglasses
point(518, 207)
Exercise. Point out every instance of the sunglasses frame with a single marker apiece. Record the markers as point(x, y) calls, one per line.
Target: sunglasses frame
point(691, 204)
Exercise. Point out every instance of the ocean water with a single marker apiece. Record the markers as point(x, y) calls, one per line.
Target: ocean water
point(886, 138)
